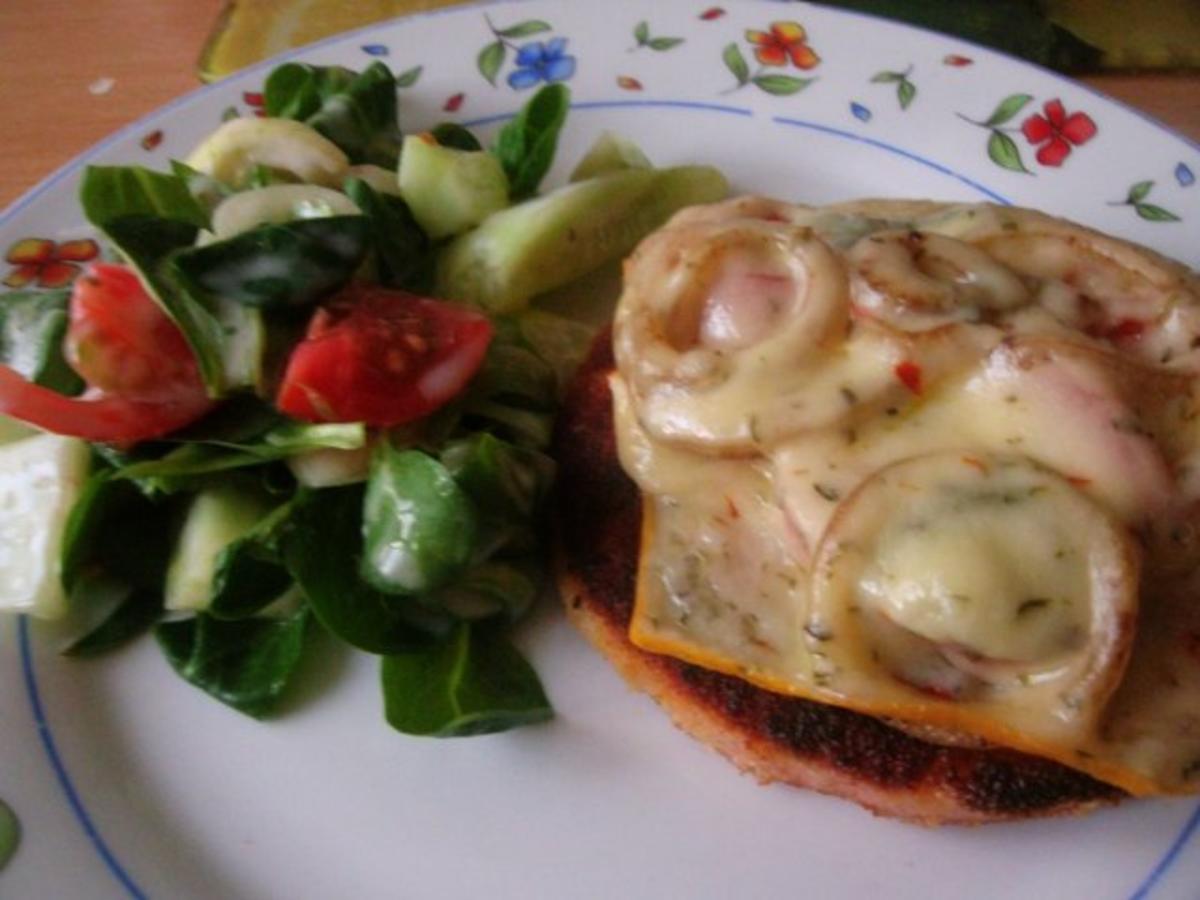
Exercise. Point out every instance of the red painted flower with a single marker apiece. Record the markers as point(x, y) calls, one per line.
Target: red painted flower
point(785, 40)
point(1057, 132)
point(256, 101)
point(152, 140)
point(49, 264)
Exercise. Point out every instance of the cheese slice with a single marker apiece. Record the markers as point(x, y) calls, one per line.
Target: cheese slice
point(932, 479)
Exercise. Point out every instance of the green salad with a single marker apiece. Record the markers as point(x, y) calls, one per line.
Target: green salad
point(310, 395)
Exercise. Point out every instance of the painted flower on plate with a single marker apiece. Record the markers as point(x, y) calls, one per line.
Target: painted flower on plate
point(542, 61)
point(49, 265)
point(784, 41)
point(1055, 133)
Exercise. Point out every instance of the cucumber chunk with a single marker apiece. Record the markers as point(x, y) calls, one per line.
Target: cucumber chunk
point(548, 241)
point(610, 153)
point(217, 517)
point(450, 190)
point(40, 480)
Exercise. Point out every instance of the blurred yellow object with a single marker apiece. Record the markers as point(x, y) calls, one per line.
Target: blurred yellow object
point(1144, 35)
point(251, 30)
point(1152, 34)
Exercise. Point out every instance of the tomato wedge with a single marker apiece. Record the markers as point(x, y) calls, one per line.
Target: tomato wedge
point(101, 417)
point(143, 377)
point(383, 357)
point(121, 342)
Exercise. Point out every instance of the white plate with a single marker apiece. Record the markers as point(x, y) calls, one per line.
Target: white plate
point(130, 783)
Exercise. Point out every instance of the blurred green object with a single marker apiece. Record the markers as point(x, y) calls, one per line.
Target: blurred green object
point(1070, 35)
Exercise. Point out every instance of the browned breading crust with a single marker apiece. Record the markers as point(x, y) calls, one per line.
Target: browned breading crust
point(773, 737)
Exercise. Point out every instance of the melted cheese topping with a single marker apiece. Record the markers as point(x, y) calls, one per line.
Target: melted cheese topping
point(927, 462)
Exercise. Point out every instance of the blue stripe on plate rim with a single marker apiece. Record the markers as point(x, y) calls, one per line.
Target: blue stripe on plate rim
point(78, 810)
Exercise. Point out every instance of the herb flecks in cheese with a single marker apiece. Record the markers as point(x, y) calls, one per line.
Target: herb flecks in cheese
point(927, 461)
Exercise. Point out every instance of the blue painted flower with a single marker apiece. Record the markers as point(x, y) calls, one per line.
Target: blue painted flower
point(541, 61)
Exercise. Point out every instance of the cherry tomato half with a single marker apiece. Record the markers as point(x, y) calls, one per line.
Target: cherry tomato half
point(121, 342)
point(143, 378)
point(100, 417)
point(383, 357)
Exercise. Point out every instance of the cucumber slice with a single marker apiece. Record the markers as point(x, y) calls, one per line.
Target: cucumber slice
point(546, 242)
point(40, 480)
point(330, 467)
point(450, 190)
point(610, 153)
point(14, 430)
point(216, 517)
point(231, 153)
point(244, 350)
point(381, 180)
point(276, 204)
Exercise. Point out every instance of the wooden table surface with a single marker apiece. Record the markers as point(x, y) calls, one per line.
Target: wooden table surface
point(72, 72)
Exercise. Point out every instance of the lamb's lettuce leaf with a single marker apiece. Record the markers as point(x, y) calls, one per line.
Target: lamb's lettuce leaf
point(246, 664)
point(32, 327)
point(275, 266)
point(475, 682)
point(526, 145)
point(322, 548)
point(357, 111)
point(419, 526)
point(403, 256)
point(115, 550)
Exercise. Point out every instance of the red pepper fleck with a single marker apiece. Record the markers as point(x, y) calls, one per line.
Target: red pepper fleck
point(909, 374)
point(252, 98)
point(954, 59)
point(976, 463)
point(931, 690)
point(1126, 330)
point(454, 103)
point(625, 83)
point(1078, 481)
point(713, 12)
point(732, 507)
